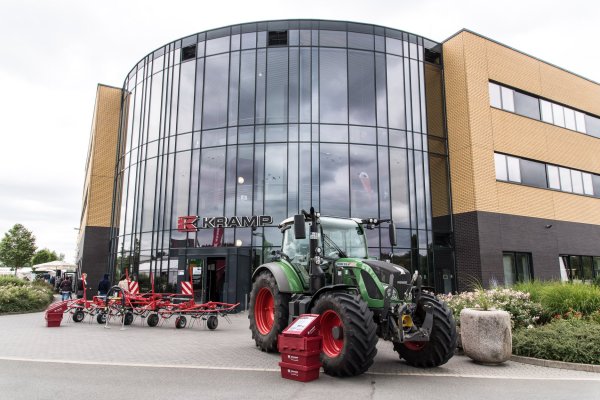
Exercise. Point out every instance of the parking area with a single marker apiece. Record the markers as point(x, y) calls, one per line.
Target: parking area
point(229, 347)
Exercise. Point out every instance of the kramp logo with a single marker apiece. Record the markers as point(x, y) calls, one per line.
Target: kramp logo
point(193, 223)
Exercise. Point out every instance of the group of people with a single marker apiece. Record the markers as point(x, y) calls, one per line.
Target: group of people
point(65, 287)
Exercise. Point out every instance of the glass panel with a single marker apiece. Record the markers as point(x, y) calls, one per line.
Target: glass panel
point(215, 46)
point(293, 178)
point(245, 174)
point(380, 82)
point(546, 111)
point(360, 41)
point(508, 102)
point(212, 182)
point(588, 187)
point(395, 78)
point(596, 182)
point(508, 262)
point(577, 181)
point(305, 85)
point(181, 186)
point(277, 85)
point(249, 40)
point(533, 173)
point(553, 177)
point(304, 194)
point(523, 267)
point(334, 133)
point(586, 268)
point(501, 170)
point(334, 179)
point(495, 99)
point(149, 189)
point(384, 183)
point(185, 112)
point(393, 46)
point(414, 91)
point(261, 59)
point(399, 187)
point(565, 179)
point(215, 137)
point(527, 105)
point(596, 266)
point(361, 78)
point(215, 91)
point(592, 125)
point(259, 182)
point(558, 113)
point(514, 172)
point(247, 73)
point(363, 135)
point(333, 93)
point(580, 121)
point(276, 181)
point(234, 77)
point(363, 181)
point(574, 267)
point(293, 84)
point(569, 119)
point(199, 93)
point(155, 105)
point(332, 38)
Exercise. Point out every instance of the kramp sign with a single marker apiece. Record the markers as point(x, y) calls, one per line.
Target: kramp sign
point(193, 223)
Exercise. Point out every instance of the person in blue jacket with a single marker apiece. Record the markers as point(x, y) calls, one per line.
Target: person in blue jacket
point(104, 286)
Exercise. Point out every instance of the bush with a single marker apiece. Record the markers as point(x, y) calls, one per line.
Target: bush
point(560, 298)
point(18, 295)
point(570, 340)
point(523, 311)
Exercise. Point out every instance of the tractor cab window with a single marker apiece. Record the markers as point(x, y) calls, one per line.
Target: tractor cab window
point(297, 250)
point(345, 235)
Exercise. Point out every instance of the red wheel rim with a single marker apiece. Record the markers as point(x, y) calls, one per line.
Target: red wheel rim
point(264, 312)
point(332, 347)
point(415, 346)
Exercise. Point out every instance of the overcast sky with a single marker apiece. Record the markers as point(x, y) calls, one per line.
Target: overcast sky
point(54, 53)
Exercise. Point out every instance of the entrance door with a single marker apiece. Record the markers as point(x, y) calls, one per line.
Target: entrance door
point(214, 278)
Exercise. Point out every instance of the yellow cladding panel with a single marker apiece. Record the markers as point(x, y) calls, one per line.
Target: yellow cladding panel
point(569, 89)
point(512, 68)
point(102, 156)
point(525, 200)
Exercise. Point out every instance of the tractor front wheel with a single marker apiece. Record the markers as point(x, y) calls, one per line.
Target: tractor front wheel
point(268, 312)
point(349, 334)
point(442, 340)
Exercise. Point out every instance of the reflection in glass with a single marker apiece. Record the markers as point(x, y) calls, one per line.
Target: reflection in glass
point(334, 179)
point(363, 181)
point(186, 97)
point(276, 181)
point(361, 87)
point(215, 91)
point(395, 75)
point(333, 89)
point(248, 66)
point(277, 85)
point(212, 182)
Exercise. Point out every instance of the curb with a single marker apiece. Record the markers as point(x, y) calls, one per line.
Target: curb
point(556, 364)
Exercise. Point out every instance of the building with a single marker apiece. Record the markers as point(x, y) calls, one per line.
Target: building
point(264, 119)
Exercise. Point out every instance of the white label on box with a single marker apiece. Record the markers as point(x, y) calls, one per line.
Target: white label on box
point(300, 324)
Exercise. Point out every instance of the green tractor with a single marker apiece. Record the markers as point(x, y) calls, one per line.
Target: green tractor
point(359, 299)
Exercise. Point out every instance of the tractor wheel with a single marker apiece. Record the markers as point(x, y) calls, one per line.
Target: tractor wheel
point(101, 318)
point(180, 322)
point(152, 320)
point(212, 322)
point(268, 312)
point(442, 340)
point(349, 334)
point(128, 318)
point(78, 316)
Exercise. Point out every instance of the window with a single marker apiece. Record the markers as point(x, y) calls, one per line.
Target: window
point(530, 106)
point(501, 171)
point(579, 268)
point(588, 186)
point(517, 267)
point(514, 171)
point(495, 99)
point(508, 102)
point(553, 177)
point(533, 173)
point(278, 38)
point(558, 114)
point(546, 111)
point(565, 179)
point(188, 53)
point(577, 182)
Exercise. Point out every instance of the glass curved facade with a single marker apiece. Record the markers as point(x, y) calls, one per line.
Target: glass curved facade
point(270, 118)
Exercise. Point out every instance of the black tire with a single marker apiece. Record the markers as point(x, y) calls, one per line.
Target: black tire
point(78, 316)
point(128, 318)
point(152, 320)
point(180, 322)
point(101, 318)
point(212, 322)
point(442, 340)
point(267, 340)
point(358, 334)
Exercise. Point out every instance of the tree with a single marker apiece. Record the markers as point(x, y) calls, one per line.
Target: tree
point(17, 247)
point(44, 256)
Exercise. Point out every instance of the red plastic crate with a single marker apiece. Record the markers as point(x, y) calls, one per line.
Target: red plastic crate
point(302, 359)
point(304, 325)
point(53, 319)
point(287, 344)
point(298, 372)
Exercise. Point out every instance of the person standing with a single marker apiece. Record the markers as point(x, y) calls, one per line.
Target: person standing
point(65, 288)
point(81, 284)
point(104, 286)
point(124, 284)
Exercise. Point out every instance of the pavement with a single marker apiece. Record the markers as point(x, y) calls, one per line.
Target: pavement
point(26, 338)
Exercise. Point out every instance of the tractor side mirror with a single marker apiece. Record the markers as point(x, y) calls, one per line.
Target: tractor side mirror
point(392, 231)
point(299, 227)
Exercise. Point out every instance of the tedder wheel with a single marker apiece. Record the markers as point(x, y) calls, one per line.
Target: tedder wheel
point(128, 318)
point(268, 311)
point(152, 320)
point(442, 340)
point(212, 322)
point(78, 316)
point(101, 318)
point(349, 334)
point(180, 322)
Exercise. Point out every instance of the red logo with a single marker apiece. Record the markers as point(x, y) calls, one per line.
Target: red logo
point(187, 223)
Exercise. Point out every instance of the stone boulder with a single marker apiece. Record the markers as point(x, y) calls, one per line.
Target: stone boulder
point(486, 335)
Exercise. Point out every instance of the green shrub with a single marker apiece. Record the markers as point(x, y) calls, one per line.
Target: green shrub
point(523, 311)
point(18, 295)
point(570, 340)
point(560, 298)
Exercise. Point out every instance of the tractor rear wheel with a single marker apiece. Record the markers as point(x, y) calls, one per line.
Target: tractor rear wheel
point(442, 340)
point(268, 312)
point(349, 334)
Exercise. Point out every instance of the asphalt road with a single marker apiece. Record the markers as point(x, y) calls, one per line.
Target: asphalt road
point(54, 380)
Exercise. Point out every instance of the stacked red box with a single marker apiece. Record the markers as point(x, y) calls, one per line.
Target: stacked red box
point(54, 314)
point(300, 348)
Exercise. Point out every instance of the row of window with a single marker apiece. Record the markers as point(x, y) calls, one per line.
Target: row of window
point(547, 176)
point(579, 268)
point(533, 107)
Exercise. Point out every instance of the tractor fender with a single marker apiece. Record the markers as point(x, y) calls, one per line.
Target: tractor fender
point(331, 288)
point(287, 279)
